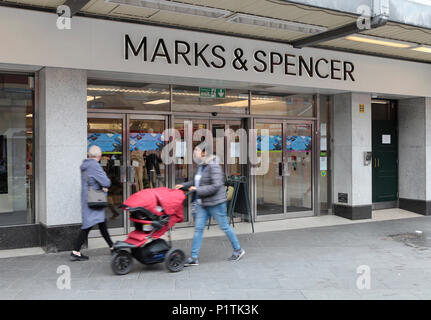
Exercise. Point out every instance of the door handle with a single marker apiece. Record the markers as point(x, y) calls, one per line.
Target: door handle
point(130, 174)
point(378, 163)
point(123, 174)
point(375, 165)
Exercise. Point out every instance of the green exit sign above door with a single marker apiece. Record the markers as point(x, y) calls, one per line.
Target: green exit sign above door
point(212, 93)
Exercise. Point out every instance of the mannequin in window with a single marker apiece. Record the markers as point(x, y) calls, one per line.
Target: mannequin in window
point(137, 157)
point(152, 161)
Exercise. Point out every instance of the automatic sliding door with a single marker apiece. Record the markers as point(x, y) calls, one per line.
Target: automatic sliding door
point(298, 167)
point(107, 132)
point(286, 189)
point(269, 187)
point(145, 145)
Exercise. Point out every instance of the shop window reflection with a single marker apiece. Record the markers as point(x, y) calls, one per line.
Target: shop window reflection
point(16, 150)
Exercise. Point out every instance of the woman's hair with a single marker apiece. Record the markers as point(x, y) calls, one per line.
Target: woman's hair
point(94, 152)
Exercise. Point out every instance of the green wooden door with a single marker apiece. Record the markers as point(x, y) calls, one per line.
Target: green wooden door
point(385, 160)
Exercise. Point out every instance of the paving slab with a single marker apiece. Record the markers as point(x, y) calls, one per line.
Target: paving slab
point(314, 263)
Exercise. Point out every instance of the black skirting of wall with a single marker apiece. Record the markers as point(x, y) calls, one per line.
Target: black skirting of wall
point(17, 237)
point(353, 213)
point(58, 238)
point(417, 206)
point(51, 239)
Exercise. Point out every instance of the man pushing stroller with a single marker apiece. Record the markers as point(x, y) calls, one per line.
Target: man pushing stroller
point(210, 200)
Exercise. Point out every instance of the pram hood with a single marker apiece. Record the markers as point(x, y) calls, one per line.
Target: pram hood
point(170, 200)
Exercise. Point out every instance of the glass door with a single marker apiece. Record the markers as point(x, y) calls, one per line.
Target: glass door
point(145, 142)
point(286, 189)
point(298, 166)
point(270, 185)
point(223, 146)
point(108, 132)
point(184, 165)
point(131, 157)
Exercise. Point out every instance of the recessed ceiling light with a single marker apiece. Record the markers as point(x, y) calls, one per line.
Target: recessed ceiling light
point(275, 23)
point(177, 7)
point(424, 2)
point(381, 41)
point(160, 101)
point(423, 48)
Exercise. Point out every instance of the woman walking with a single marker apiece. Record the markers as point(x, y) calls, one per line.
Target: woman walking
point(93, 175)
point(210, 200)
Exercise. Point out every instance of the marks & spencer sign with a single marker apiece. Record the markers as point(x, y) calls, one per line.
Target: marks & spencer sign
point(214, 57)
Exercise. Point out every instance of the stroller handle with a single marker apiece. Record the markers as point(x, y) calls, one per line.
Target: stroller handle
point(189, 192)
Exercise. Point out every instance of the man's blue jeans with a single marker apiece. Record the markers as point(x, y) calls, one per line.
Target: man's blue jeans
point(219, 213)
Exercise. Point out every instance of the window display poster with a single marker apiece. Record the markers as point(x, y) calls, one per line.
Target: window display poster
point(293, 143)
point(275, 143)
point(298, 144)
point(3, 165)
point(386, 139)
point(323, 144)
point(323, 129)
point(110, 143)
point(146, 141)
point(323, 163)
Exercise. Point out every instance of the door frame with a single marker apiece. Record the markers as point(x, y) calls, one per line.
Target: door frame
point(253, 179)
point(227, 121)
point(129, 167)
point(126, 167)
point(122, 230)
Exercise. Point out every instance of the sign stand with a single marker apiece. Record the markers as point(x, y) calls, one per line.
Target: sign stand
point(240, 201)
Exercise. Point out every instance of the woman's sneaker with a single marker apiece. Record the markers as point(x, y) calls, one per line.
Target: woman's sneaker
point(237, 254)
point(191, 262)
point(75, 257)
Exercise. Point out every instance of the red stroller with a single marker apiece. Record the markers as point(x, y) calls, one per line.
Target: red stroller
point(153, 211)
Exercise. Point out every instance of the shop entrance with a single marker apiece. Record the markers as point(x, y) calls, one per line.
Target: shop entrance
point(286, 190)
point(131, 147)
point(385, 154)
point(185, 166)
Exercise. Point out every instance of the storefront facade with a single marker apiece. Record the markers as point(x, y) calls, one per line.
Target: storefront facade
point(121, 85)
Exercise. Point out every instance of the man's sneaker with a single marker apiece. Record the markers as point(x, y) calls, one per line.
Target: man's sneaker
point(237, 254)
point(191, 262)
point(75, 257)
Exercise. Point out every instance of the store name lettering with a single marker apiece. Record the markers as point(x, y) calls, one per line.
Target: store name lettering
point(214, 56)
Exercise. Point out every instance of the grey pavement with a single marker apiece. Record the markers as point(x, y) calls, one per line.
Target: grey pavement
point(314, 263)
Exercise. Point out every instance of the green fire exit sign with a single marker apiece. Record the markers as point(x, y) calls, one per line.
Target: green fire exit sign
point(212, 93)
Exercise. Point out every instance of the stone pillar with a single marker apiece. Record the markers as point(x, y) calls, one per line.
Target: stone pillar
point(352, 179)
point(414, 123)
point(62, 144)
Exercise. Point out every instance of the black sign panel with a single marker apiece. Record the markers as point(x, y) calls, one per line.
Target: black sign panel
point(342, 197)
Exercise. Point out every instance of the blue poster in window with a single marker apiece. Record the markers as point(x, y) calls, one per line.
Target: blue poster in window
point(110, 143)
point(298, 144)
point(146, 141)
point(293, 143)
point(275, 143)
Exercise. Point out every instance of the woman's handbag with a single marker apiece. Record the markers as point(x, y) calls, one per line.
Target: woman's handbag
point(96, 199)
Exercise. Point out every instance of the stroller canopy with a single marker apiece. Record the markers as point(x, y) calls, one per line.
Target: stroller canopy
point(170, 200)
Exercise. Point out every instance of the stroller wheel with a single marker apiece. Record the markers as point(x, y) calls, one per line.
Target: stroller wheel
point(121, 262)
point(174, 260)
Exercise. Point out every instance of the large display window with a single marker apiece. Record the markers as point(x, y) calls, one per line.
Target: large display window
point(16, 150)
